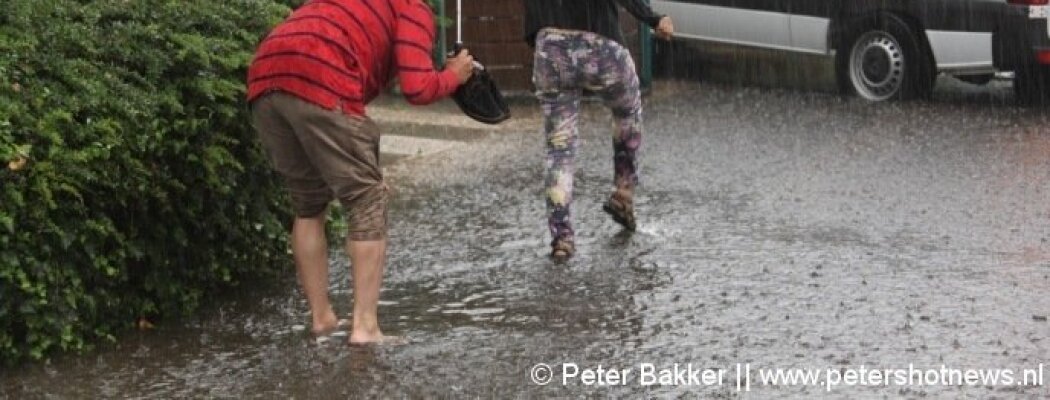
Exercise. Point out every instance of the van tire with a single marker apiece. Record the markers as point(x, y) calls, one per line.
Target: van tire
point(1032, 85)
point(882, 58)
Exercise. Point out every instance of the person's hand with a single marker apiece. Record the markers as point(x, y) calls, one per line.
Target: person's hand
point(665, 29)
point(462, 64)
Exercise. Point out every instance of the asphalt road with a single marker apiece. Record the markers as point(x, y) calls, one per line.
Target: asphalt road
point(778, 229)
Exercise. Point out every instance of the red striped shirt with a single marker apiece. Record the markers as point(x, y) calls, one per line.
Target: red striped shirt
point(344, 52)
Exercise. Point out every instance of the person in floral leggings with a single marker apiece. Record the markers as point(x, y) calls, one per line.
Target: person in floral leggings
point(577, 48)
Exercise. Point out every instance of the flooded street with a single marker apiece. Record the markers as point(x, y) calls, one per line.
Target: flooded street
point(777, 229)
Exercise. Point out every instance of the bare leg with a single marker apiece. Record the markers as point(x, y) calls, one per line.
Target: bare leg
point(368, 260)
point(310, 250)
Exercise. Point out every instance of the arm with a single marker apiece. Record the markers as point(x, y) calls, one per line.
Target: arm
point(413, 45)
point(639, 9)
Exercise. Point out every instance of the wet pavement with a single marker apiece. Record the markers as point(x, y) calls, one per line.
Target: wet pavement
point(778, 229)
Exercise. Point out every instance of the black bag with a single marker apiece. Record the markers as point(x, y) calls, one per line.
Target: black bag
point(480, 99)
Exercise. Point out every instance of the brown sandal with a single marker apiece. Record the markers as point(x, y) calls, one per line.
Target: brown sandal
point(562, 249)
point(621, 210)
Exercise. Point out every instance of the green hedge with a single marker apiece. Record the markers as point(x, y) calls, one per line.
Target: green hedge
point(131, 183)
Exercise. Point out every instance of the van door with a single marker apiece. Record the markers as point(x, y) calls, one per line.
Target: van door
point(760, 23)
point(809, 23)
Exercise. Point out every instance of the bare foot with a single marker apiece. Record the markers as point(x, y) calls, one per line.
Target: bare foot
point(327, 323)
point(375, 339)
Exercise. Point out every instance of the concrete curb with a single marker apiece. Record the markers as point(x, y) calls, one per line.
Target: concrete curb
point(414, 131)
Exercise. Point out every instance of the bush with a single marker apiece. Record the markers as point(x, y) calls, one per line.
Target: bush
point(131, 183)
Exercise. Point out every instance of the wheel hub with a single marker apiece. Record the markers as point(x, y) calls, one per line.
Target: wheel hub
point(877, 66)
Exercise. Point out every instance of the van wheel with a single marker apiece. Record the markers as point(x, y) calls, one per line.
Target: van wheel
point(1032, 85)
point(883, 59)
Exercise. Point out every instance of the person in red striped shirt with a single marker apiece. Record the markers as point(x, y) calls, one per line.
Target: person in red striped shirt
point(308, 86)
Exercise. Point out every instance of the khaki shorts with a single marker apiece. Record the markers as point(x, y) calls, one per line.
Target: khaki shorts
point(324, 155)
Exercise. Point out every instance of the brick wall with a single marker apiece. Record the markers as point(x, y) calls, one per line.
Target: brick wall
point(493, 31)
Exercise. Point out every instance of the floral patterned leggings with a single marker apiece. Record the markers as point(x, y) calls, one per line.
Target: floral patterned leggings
point(567, 63)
